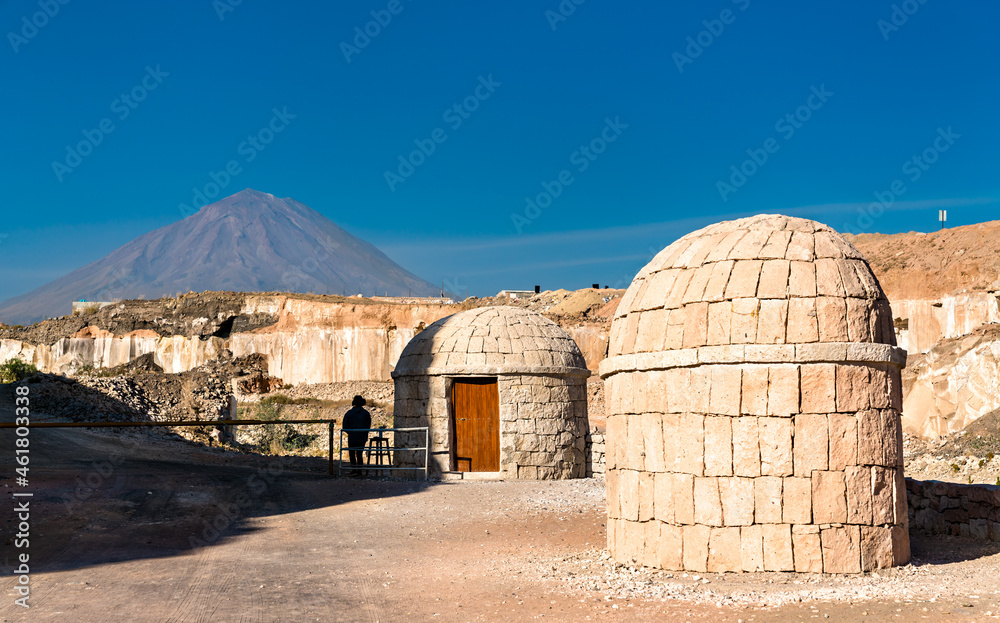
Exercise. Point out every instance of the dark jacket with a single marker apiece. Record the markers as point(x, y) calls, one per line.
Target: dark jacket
point(357, 417)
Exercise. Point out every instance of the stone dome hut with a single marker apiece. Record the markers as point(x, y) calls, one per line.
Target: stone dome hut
point(502, 389)
point(753, 396)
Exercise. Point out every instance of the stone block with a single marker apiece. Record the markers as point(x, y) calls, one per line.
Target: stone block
point(883, 495)
point(767, 499)
point(695, 291)
point(900, 545)
point(718, 446)
point(617, 437)
point(662, 497)
point(829, 497)
point(841, 549)
point(670, 431)
point(773, 282)
point(803, 324)
point(802, 279)
point(878, 379)
point(853, 391)
point(777, 244)
point(879, 438)
point(818, 384)
point(628, 483)
point(647, 551)
point(859, 494)
point(752, 548)
point(725, 390)
point(743, 279)
point(743, 323)
point(797, 500)
point(699, 388)
point(843, 440)
point(773, 321)
point(801, 247)
point(695, 325)
point(635, 541)
point(811, 443)
point(828, 280)
point(783, 390)
point(858, 315)
point(675, 329)
point(683, 498)
point(715, 290)
point(670, 547)
point(696, 547)
point(737, 495)
point(775, 446)
point(753, 399)
point(778, 547)
point(849, 275)
point(613, 495)
point(719, 322)
point(807, 552)
point(635, 448)
point(652, 428)
point(646, 496)
point(675, 295)
point(691, 444)
point(746, 447)
point(707, 504)
point(831, 315)
point(900, 508)
point(724, 550)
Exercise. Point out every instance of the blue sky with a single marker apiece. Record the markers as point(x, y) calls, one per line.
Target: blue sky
point(627, 125)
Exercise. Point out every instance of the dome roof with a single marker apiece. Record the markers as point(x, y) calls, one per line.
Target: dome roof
point(766, 279)
point(492, 340)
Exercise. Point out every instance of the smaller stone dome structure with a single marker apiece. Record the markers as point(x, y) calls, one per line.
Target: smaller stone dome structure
point(502, 390)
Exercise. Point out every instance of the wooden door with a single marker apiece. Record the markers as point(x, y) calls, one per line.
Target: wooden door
point(476, 425)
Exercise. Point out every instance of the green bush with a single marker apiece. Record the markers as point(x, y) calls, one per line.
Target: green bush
point(14, 370)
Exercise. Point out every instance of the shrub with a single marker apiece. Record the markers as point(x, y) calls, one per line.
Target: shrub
point(14, 370)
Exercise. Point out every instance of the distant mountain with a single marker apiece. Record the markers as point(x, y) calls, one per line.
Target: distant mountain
point(250, 242)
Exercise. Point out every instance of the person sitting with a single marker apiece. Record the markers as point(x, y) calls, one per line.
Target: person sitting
point(357, 418)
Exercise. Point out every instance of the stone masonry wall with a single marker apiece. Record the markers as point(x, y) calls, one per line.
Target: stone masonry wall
point(780, 467)
point(971, 511)
point(594, 450)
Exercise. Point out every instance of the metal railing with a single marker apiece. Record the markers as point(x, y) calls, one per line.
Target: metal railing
point(330, 423)
point(389, 451)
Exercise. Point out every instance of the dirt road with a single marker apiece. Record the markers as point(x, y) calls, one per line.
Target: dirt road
point(148, 528)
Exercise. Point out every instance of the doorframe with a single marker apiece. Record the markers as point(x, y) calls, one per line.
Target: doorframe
point(450, 395)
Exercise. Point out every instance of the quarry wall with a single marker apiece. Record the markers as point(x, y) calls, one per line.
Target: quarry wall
point(312, 341)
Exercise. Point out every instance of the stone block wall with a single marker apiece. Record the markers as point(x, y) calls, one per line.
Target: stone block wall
point(543, 424)
point(751, 467)
point(947, 508)
point(594, 450)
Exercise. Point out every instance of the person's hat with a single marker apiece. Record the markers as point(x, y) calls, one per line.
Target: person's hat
point(358, 401)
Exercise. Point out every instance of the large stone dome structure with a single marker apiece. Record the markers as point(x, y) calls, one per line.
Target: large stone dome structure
point(502, 389)
point(753, 395)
